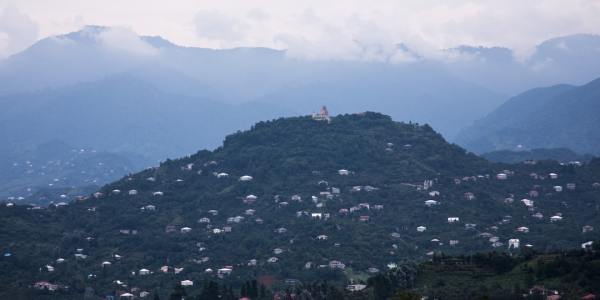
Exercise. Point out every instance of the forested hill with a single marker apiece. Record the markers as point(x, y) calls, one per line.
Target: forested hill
point(296, 199)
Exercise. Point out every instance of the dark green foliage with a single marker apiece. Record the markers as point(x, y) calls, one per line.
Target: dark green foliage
point(178, 293)
point(291, 157)
point(513, 157)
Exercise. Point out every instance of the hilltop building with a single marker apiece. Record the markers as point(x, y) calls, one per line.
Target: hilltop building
point(322, 115)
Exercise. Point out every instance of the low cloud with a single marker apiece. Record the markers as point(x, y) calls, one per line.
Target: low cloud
point(17, 31)
point(123, 39)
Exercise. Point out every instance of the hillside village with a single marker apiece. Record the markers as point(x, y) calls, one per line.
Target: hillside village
point(336, 198)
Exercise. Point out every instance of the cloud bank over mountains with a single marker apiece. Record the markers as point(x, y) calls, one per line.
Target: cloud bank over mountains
point(348, 30)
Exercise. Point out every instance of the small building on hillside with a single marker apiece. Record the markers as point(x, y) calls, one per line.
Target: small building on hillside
point(587, 228)
point(246, 178)
point(322, 115)
point(453, 220)
point(430, 203)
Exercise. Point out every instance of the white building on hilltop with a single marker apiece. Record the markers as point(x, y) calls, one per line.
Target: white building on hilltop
point(322, 115)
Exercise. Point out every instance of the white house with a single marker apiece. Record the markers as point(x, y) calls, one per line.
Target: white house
point(246, 178)
point(187, 283)
point(149, 207)
point(513, 243)
point(132, 192)
point(272, 259)
point(343, 172)
point(356, 287)
point(501, 176)
point(322, 237)
point(223, 175)
point(434, 193)
point(159, 193)
point(335, 264)
point(587, 245)
point(558, 188)
point(316, 215)
point(527, 202)
point(453, 219)
point(523, 229)
point(224, 271)
point(430, 203)
point(144, 272)
point(421, 228)
point(556, 218)
point(185, 229)
point(553, 175)
point(587, 228)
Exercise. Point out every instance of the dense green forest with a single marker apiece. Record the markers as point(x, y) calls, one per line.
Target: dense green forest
point(298, 202)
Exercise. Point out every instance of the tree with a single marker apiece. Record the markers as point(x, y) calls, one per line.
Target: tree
point(178, 292)
point(210, 291)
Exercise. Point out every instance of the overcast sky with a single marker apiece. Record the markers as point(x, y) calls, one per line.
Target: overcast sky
point(312, 29)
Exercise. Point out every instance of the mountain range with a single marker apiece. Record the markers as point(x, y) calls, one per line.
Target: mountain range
point(143, 97)
point(552, 117)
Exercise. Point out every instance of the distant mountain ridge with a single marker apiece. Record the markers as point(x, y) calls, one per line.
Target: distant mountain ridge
point(45, 172)
point(552, 117)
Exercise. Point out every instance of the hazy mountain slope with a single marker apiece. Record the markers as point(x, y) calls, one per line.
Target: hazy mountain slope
point(41, 174)
point(305, 215)
point(554, 117)
point(121, 113)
